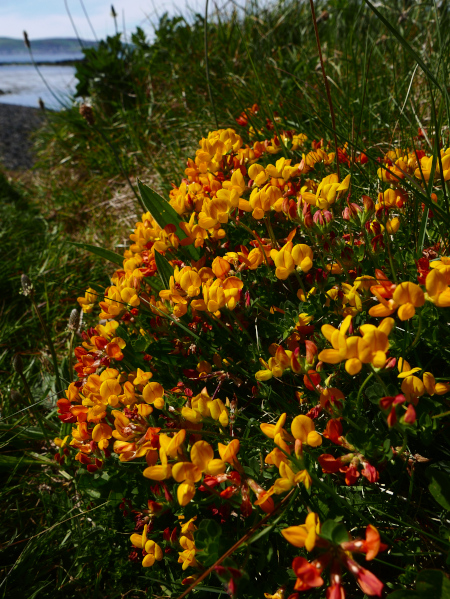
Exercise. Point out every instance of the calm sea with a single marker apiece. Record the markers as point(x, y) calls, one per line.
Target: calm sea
point(22, 84)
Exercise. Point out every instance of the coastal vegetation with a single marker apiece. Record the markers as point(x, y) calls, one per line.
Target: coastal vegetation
point(252, 212)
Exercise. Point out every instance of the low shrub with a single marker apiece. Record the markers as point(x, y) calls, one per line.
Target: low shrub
point(269, 370)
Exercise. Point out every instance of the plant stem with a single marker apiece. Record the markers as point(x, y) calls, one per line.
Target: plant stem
point(359, 396)
point(242, 540)
point(417, 337)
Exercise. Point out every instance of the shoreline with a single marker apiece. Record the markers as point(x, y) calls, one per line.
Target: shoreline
point(42, 63)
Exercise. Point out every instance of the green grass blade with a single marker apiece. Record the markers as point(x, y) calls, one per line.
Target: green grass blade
point(405, 45)
point(165, 270)
point(101, 252)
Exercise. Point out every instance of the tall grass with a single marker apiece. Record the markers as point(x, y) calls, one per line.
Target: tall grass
point(151, 103)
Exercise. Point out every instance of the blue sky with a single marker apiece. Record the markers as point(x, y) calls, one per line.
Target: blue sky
point(48, 18)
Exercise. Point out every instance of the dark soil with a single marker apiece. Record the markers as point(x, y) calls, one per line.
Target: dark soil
point(16, 125)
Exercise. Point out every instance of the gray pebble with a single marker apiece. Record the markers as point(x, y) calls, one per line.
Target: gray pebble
point(16, 125)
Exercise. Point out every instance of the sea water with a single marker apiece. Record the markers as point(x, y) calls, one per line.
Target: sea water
point(22, 84)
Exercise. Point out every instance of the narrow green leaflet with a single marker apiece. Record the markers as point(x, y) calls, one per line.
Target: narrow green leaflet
point(105, 254)
point(165, 270)
point(439, 486)
point(429, 583)
point(160, 208)
point(164, 214)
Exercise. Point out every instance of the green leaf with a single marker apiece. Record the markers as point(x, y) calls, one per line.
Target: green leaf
point(334, 532)
point(159, 208)
point(375, 393)
point(140, 344)
point(122, 332)
point(433, 583)
point(101, 252)
point(439, 486)
point(9, 462)
point(429, 583)
point(164, 214)
point(165, 270)
point(207, 541)
point(211, 528)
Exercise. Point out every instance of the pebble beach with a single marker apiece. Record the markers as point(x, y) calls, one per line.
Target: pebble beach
point(17, 123)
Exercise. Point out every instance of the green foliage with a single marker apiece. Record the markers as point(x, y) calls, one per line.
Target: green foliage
point(429, 583)
point(439, 487)
point(109, 72)
point(151, 99)
point(101, 252)
point(165, 270)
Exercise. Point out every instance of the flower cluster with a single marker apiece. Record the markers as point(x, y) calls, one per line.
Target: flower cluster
point(251, 354)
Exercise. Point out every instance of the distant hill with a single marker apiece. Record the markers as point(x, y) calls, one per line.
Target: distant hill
point(57, 45)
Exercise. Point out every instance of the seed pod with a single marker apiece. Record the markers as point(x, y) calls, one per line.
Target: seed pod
point(74, 320)
point(26, 40)
point(16, 396)
point(17, 363)
point(27, 285)
point(87, 113)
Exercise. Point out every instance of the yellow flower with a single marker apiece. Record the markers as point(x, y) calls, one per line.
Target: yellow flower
point(432, 387)
point(304, 535)
point(61, 442)
point(406, 297)
point(290, 256)
point(154, 553)
point(153, 394)
point(185, 493)
point(101, 433)
point(189, 527)
point(391, 198)
point(371, 348)
point(229, 452)
point(142, 377)
point(393, 225)
point(152, 549)
point(437, 284)
point(426, 165)
point(278, 595)
point(303, 428)
point(338, 339)
point(413, 388)
point(327, 192)
point(271, 430)
point(394, 172)
point(87, 302)
point(202, 455)
point(187, 557)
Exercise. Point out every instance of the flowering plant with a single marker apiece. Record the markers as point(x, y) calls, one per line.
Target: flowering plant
point(269, 353)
